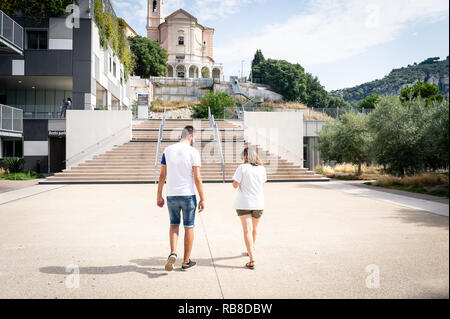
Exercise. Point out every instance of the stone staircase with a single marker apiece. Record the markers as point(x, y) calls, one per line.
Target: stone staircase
point(134, 162)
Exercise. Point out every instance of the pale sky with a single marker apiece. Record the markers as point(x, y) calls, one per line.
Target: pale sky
point(342, 42)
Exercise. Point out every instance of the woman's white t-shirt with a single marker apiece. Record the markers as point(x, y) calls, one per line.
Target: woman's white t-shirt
point(251, 193)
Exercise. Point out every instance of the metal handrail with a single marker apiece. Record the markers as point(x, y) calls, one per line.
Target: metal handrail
point(158, 149)
point(218, 139)
point(96, 144)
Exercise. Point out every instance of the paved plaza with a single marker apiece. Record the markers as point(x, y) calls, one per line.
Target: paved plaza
point(317, 240)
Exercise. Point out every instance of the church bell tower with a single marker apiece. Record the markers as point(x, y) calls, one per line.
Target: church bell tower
point(155, 17)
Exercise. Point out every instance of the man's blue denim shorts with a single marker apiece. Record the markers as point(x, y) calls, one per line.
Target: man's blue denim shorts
point(187, 204)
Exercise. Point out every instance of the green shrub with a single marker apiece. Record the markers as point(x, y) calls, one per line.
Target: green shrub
point(14, 164)
point(23, 176)
point(216, 102)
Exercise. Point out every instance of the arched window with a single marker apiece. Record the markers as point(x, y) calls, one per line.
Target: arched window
point(180, 40)
point(155, 6)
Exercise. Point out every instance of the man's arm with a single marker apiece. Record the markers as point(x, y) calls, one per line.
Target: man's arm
point(199, 184)
point(162, 180)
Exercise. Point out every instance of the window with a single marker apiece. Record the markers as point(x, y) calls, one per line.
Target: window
point(180, 40)
point(110, 64)
point(37, 40)
point(12, 148)
point(114, 69)
point(155, 6)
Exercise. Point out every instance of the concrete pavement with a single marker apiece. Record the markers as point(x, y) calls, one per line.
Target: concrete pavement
point(7, 185)
point(419, 202)
point(315, 242)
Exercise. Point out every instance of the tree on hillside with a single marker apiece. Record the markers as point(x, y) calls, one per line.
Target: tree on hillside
point(285, 78)
point(258, 59)
point(369, 102)
point(291, 81)
point(430, 60)
point(150, 57)
point(427, 91)
point(335, 102)
point(316, 95)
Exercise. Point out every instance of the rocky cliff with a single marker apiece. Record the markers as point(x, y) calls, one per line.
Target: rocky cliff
point(431, 70)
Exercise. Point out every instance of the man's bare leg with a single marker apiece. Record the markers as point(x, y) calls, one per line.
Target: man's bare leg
point(188, 243)
point(173, 234)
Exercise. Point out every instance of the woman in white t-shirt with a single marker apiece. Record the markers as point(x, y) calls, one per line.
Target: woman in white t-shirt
point(249, 179)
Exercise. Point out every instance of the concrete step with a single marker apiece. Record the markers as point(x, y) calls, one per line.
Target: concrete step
point(150, 170)
point(135, 161)
point(151, 166)
point(94, 179)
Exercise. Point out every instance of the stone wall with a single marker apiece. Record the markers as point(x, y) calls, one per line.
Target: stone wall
point(252, 90)
point(185, 113)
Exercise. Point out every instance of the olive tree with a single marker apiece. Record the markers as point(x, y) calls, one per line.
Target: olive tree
point(346, 140)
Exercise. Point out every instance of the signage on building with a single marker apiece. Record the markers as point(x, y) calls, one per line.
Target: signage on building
point(143, 99)
point(143, 104)
point(55, 133)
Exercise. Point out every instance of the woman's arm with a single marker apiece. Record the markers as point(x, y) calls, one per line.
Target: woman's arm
point(235, 184)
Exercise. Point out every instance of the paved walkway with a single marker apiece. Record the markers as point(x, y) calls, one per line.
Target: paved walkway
point(316, 241)
point(429, 204)
point(6, 186)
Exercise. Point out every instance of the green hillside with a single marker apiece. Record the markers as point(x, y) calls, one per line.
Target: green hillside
point(431, 70)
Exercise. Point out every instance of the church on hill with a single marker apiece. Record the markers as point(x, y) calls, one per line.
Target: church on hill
point(189, 44)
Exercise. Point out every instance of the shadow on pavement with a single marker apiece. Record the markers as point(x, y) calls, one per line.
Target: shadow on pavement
point(201, 262)
point(421, 218)
point(151, 267)
point(150, 272)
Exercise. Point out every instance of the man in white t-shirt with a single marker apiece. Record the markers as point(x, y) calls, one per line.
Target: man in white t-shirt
point(180, 167)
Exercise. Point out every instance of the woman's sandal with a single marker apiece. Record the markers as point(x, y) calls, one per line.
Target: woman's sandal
point(250, 265)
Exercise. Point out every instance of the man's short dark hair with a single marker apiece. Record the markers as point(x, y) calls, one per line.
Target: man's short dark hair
point(187, 131)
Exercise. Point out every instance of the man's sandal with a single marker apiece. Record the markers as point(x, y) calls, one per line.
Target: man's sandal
point(250, 265)
point(170, 262)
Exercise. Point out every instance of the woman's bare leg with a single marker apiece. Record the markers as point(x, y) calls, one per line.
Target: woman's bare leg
point(247, 227)
point(255, 223)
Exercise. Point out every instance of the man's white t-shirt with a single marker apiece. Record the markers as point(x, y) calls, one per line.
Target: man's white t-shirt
point(180, 160)
point(251, 193)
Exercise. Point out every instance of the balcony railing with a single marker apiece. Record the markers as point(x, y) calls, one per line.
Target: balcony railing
point(11, 33)
point(172, 81)
point(11, 119)
point(40, 112)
